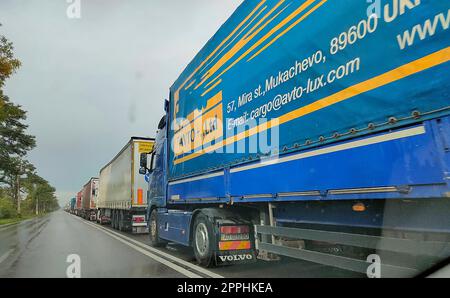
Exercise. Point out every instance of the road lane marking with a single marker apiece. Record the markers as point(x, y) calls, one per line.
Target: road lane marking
point(20, 223)
point(12, 225)
point(164, 254)
point(157, 251)
point(145, 252)
point(149, 254)
point(6, 255)
point(8, 227)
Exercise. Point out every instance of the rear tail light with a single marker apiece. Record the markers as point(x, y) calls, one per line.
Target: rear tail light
point(234, 230)
point(139, 219)
point(234, 245)
point(234, 233)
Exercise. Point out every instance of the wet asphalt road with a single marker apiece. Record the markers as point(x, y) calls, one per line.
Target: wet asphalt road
point(40, 247)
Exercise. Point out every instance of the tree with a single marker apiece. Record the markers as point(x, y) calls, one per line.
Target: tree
point(41, 195)
point(8, 65)
point(15, 142)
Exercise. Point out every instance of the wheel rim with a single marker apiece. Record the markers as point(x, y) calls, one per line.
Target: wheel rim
point(201, 239)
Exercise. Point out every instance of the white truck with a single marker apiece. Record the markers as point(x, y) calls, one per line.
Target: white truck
point(122, 197)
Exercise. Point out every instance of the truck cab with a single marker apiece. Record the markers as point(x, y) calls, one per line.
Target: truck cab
point(156, 192)
point(217, 235)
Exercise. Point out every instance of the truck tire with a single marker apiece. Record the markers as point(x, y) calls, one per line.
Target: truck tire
point(155, 241)
point(203, 240)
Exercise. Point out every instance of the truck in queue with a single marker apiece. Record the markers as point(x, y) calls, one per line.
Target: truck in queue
point(72, 204)
point(122, 199)
point(79, 204)
point(89, 199)
point(317, 130)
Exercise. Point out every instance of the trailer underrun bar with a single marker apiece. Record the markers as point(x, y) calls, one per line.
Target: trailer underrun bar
point(407, 246)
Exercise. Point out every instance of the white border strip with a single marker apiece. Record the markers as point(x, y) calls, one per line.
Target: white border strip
point(169, 264)
point(355, 144)
point(221, 173)
point(165, 257)
point(16, 224)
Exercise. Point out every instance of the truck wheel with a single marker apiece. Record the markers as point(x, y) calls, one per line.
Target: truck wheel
point(203, 241)
point(155, 241)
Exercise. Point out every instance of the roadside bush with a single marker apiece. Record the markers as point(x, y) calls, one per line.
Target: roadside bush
point(7, 209)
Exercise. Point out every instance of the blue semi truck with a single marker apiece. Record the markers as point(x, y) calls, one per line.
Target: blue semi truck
point(317, 130)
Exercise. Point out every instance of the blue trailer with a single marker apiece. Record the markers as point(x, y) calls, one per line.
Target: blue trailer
point(309, 124)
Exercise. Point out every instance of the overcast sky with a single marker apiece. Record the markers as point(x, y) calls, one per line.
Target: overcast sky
point(89, 84)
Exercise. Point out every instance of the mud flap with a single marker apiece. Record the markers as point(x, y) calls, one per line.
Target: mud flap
point(235, 257)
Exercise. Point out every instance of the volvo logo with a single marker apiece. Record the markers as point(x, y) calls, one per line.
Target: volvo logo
point(233, 258)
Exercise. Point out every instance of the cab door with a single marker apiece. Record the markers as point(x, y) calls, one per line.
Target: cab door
point(156, 192)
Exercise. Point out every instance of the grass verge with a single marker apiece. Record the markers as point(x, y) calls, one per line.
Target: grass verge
point(6, 221)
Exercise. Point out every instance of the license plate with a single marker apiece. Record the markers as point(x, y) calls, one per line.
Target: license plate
point(227, 237)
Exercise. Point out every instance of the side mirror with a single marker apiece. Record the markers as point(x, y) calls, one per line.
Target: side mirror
point(143, 161)
point(143, 164)
point(142, 171)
